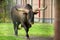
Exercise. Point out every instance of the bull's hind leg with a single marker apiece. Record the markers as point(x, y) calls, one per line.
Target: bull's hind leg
point(18, 26)
point(15, 29)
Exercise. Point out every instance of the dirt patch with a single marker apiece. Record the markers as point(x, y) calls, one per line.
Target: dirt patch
point(41, 38)
point(38, 38)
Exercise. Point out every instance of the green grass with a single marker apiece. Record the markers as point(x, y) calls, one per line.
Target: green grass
point(10, 38)
point(37, 29)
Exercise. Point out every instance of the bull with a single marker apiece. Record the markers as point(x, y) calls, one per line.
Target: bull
point(23, 15)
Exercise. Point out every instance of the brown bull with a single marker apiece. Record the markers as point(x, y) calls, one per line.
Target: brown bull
point(24, 16)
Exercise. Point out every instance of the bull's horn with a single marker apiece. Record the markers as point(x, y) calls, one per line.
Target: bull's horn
point(43, 8)
point(23, 9)
point(39, 9)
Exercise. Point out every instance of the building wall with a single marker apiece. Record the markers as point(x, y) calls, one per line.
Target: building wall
point(49, 12)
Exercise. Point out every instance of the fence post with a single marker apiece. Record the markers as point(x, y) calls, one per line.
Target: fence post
point(43, 11)
point(39, 10)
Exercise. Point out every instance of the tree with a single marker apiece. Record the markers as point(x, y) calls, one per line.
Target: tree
point(57, 20)
point(5, 6)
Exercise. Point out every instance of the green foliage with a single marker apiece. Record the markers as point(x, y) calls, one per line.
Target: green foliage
point(3, 3)
point(3, 16)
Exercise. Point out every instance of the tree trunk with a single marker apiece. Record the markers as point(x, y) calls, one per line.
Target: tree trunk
point(57, 20)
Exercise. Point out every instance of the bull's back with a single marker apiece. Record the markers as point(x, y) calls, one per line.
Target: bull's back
point(17, 15)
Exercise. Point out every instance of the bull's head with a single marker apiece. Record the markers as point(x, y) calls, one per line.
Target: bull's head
point(30, 13)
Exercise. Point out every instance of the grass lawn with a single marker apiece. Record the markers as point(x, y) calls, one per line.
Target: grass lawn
point(38, 29)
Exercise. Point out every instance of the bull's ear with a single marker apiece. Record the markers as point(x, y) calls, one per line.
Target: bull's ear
point(35, 11)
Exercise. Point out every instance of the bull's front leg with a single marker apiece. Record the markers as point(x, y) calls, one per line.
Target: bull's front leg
point(15, 28)
point(27, 35)
point(25, 25)
point(27, 29)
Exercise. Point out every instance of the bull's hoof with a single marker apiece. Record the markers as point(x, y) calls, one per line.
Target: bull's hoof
point(16, 34)
point(28, 38)
point(21, 25)
point(19, 28)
